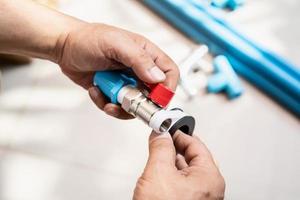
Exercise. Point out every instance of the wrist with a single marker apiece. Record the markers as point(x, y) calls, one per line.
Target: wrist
point(56, 51)
point(33, 30)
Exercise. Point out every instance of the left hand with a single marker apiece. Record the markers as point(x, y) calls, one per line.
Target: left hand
point(96, 47)
point(82, 48)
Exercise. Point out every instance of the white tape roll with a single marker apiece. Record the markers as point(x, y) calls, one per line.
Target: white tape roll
point(161, 116)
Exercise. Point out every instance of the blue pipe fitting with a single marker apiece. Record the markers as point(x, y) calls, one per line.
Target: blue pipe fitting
point(225, 79)
point(271, 73)
point(219, 3)
point(234, 4)
point(111, 82)
point(231, 4)
point(217, 83)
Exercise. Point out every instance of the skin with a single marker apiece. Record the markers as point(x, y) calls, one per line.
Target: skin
point(179, 169)
point(80, 49)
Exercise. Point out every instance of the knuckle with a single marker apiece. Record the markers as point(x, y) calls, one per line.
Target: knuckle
point(142, 58)
point(196, 139)
point(140, 39)
point(216, 191)
point(209, 193)
point(110, 52)
point(176, 72)
point(203, 193)
point(143, 55)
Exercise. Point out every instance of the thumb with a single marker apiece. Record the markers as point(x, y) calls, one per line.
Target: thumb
point(161, 151)
point(132, 55)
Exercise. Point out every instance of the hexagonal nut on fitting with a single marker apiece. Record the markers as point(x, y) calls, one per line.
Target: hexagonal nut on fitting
point(129, 102)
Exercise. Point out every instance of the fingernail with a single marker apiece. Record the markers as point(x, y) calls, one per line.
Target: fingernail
point(157, 74)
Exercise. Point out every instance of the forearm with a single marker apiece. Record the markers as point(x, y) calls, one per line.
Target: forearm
point(27, 28)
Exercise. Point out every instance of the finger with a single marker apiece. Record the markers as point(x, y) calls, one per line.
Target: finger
point(109, 108)
point(129, 53)
point(84, 79)
point(161, 151)
point(180, 162)
point(194, 151)
point(116, 111)
point(97, 97)
point(165, 63)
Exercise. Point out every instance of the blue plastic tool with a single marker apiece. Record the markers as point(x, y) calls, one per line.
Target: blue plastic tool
point(225, 79)
point(111, 82)
point(269, 72)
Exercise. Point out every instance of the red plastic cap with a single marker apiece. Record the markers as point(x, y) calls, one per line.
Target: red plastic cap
point(160, 94)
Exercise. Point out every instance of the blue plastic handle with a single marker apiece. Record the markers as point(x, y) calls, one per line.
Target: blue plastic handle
point(111, 82)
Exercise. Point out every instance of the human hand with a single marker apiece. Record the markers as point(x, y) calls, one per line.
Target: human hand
point(191, 174)
point(96, 47)
point(81, 48)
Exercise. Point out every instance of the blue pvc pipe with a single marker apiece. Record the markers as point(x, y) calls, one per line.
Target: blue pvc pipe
point(278, 60)
point(263, 84)
point(243, 51)
point(203, 29)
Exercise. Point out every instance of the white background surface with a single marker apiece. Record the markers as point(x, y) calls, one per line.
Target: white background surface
point(55, 144)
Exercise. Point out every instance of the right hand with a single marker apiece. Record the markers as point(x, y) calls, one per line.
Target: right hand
point(191, 174)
